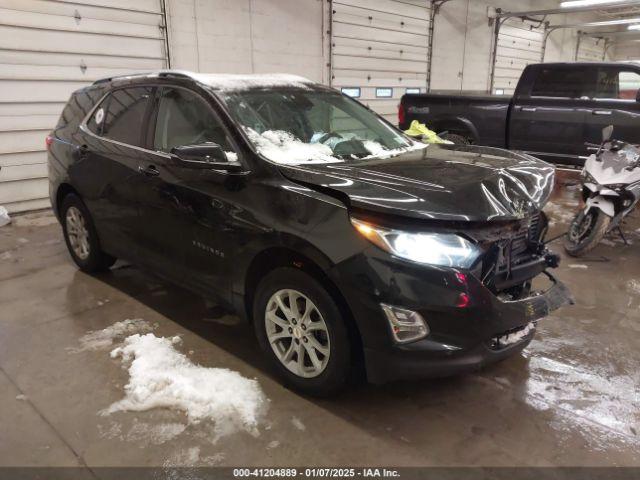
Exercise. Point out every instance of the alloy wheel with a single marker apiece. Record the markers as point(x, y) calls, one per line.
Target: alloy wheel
point(77, 233)
point(297, 333)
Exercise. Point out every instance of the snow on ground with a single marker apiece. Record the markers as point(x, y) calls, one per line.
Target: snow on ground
point(283, 147)
point(162, 377)
point(633, 286)
point(155, 434)
point(5, 219)
point(298, 424)
point(105, 338)
point(143, 433)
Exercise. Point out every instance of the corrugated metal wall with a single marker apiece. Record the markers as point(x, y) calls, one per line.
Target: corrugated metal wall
point(47, 50)
point(249, 36)
point(519, 44)
point(379, 48)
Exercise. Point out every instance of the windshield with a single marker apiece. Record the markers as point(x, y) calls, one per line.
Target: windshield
point(296, 126)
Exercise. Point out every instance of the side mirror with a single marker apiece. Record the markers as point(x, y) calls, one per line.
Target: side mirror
point(205, 156)
point(607, 132)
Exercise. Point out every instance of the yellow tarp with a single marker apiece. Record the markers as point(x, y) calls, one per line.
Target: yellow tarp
point(420, 130)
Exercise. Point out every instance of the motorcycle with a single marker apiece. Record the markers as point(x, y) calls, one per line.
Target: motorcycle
point(610, 190)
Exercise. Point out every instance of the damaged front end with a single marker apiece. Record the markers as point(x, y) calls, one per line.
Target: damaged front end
point(514, 254)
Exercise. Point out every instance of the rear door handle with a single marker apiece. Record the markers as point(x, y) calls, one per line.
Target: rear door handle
point(528, 109)
point(601, 112)
point(149, 171)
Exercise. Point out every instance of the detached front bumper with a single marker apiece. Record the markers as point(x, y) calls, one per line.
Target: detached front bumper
point(463, 336)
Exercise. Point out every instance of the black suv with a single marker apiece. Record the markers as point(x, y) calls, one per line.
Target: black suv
point(342, 240)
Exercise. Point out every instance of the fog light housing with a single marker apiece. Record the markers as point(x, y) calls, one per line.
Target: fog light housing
point(406, 325)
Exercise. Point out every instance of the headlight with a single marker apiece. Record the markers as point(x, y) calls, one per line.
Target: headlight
point(443, 249)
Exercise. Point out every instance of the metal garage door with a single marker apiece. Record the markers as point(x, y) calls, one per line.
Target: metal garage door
point(379, 49)
point(590, 49)
point(48, 49)
point(519, 44)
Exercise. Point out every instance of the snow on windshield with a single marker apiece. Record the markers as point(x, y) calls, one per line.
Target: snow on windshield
point(283, 147)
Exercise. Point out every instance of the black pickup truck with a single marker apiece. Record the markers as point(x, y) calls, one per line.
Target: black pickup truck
point(556, 108)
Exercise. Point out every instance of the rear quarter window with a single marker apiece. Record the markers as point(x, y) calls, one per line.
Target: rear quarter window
point(78, 106)
point(96, 120)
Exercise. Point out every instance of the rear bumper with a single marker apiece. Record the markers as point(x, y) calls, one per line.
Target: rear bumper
point(462, 336)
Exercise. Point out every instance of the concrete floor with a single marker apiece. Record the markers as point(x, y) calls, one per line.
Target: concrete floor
point(571, 398)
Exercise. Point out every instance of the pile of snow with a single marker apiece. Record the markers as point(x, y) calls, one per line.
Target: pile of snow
point(5, 219)
point(232, 82)
point(105, 338)
point(162, 377)
point(282, 147)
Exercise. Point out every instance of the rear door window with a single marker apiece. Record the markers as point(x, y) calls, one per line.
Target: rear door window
point(563, 83)
point(184, 118)
point(617, 83)
point(125, 114)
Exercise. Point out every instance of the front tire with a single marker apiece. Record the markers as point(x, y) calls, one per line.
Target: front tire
point(81, 237)
point(586, 231)
point(302, 330)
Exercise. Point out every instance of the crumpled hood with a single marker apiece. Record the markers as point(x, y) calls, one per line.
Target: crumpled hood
point(440, 182)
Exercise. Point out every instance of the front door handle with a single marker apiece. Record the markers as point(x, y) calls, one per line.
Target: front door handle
point(149, 171)
point(528, 109)
point(601, 112)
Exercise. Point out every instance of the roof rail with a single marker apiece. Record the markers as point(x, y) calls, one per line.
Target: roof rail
point(159, 73)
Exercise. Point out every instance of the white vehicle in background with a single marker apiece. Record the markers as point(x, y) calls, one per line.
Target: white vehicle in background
point(611, 189)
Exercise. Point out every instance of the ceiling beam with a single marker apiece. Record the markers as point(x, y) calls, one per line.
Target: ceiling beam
point(623, 33)
point(553, 11)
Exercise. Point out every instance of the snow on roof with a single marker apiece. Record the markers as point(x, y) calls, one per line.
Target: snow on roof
point(235, 82)
point(226, 81)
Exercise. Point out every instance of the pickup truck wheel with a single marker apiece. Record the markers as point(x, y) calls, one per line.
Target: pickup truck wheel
point(81, 237)
point(457, 138)
point(302, 331)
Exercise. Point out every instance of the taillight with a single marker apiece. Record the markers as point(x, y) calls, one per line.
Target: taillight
point(48, 141)
point(400, 114)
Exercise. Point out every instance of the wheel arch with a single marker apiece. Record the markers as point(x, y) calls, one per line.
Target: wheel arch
point(62, 191)
point(275, 257)
point(460, 125)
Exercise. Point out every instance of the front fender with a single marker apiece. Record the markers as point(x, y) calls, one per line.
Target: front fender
point(602, 203)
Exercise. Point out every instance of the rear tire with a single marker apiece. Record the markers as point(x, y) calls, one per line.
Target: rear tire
point(81, 237)
point(314, 326)
point(457, 139)
point(586, 231)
